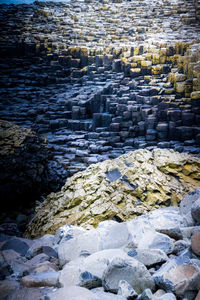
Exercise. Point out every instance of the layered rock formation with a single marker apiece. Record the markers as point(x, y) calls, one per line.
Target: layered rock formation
point(154, 257)
point(128, 186)
point(101, 78)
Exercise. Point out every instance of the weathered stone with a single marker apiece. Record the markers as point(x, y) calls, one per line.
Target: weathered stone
point(130, 270)
point(195, 211)
point(89, 197)
point(179, 276)
point(186, 205)
point(126, 290)
point(73, 292)
point(17, 245)
point(49, 278)
point(148, 257)
point(196, 243)
point(7, 286)
point(26, 293)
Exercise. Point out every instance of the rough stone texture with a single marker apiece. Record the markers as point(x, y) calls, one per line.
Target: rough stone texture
point(7, 286)
point(25, 293)
point(195, 211)
point(49, 278)
point(187, 204)
point(28, 154)
point(130, 270)
point(148, 257)
point(111, 257)
point(128, 186)
point(126, 290)
point(179, 276)
point(196, 243)
point(73, 292)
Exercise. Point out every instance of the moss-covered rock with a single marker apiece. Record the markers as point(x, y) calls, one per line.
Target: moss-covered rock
point(120, 189)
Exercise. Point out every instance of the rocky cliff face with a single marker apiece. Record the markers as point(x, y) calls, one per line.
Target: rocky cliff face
point(119, 189)
point(23, 164)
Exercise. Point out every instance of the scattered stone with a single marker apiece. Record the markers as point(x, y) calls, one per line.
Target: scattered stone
point(196, 243)
point(130, 270)
point(195, 211)
point(178, 275)
point(186, 206)
point(17, 245)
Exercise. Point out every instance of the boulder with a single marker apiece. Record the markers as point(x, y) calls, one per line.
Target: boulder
point(178, 275)
point(67, 232)
point(72, 292)
point(39, 245)
point(108, 235)
point(7, 286)
point(131, 270)
point(49, 278)
point(195, 211)
point(25, 293)
point(149, 257)
point(94, 264)
point(17, 245)
point(189, 205)
point(196, 243)
point(128, 186)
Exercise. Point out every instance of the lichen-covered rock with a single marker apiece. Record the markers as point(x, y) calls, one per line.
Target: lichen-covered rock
point(120, 189)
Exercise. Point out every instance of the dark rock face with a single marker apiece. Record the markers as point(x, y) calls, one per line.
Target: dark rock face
point(23, 164)
point(26, 172)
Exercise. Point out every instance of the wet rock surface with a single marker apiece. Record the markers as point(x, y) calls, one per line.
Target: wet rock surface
point(119, 189)
point(110, 262)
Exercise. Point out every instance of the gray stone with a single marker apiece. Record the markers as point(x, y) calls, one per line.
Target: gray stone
point(89, 280)
point(167, 296)
point(126, 290)
point(25, 293)
point(36, 248)
point(84, 244)
point(49, 278)
point(67, 232)
point(112, 235)
point(134, 272)
point(195, 211)
point(186, 206)
point(148, 257)
point(72, 292)
point(38, 259)
point(7, 286)
point(146, 295)
point(178, 275)
point(17, 245)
